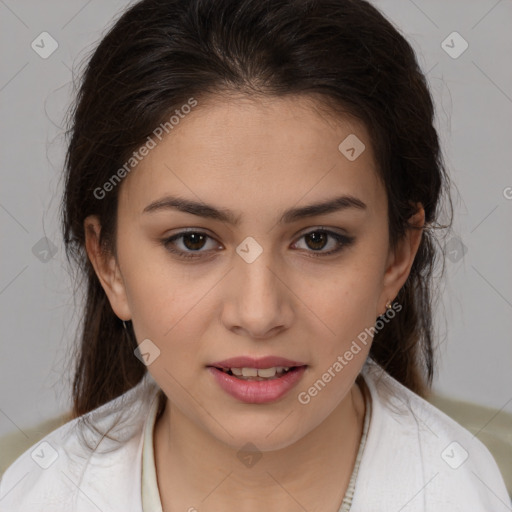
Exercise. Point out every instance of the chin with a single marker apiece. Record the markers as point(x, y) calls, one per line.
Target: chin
point(262, 435)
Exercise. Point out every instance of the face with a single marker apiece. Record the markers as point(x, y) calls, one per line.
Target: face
point(253, 274)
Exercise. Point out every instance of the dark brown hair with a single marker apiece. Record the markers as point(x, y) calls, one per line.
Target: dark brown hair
point(160, 53)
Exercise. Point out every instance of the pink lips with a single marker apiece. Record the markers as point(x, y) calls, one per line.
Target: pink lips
point(257, 392)
point(251, 362)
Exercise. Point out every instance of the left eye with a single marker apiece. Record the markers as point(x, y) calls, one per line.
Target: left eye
point(193, 241)
point(317, 240)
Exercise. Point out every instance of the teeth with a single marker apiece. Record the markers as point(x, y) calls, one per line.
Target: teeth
point(266, 373)
point(249, 372)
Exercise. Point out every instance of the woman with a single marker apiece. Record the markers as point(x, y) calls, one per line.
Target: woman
point(251, 193)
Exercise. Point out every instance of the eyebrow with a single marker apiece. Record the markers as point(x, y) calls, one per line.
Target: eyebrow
point(293, 214)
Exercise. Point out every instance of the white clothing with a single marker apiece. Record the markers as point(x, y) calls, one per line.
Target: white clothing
point(416, 459)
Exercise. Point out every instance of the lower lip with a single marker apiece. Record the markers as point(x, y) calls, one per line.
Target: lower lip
point(257, 392)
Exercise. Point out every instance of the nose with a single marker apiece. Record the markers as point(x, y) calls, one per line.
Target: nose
point(257, 304)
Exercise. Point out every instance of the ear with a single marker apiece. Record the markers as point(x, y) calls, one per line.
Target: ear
point(400, 259)
point(106, 268)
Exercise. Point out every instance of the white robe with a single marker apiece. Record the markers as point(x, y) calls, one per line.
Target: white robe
point(416, 459)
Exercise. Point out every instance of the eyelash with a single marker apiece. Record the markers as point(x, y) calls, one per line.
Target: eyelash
point(343, 240)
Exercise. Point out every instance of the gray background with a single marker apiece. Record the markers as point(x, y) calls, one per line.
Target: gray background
point(473, 95)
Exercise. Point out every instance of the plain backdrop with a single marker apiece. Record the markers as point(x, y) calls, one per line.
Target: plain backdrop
point(473, 95)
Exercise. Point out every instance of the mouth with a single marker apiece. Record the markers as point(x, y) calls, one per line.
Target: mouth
point(259, 374)
point(257, 381)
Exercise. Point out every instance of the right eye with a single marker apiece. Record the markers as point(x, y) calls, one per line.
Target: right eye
point(190, 241)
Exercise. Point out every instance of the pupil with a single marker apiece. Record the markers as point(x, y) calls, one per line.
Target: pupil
point(315, 237)
point(196, 238)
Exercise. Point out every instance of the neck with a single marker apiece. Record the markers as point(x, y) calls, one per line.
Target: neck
point(195, 468)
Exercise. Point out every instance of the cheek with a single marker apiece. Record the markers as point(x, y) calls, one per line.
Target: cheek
point(349, 298)
point(159, 293)
point(345, 306)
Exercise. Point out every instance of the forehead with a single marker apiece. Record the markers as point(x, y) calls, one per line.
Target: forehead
point(267, 151)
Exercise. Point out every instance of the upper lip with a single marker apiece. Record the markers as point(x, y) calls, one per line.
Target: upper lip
point(251, 362)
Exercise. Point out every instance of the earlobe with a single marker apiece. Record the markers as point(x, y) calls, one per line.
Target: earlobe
point(106, 268)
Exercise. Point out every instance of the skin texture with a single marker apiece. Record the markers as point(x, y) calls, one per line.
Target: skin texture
point(257, 157)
